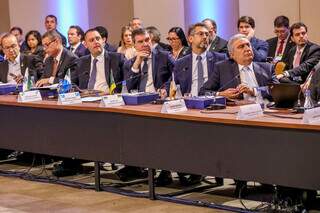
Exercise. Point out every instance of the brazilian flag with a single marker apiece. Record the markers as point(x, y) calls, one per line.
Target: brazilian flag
point(112, 85)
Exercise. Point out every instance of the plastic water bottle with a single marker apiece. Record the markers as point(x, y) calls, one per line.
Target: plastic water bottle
point(308, 103)
point(178, 92)
point(124, 89)
point(259, 98)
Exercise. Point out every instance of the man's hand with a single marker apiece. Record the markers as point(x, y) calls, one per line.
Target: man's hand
point(279, 76)
point(242, 88)
point(18, 79)
point(163, 93)
point(42, 82)
point(230, 93)
point(251, 34)
point(140, 56)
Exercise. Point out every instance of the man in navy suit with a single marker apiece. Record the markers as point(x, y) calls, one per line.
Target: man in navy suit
point(50, 24)
point(246, 25)
point(239, 75)
point(186, 72)
point(75, 39)
point(302, 58)
point(106, 62)
point(149, 71)
point(58, 60)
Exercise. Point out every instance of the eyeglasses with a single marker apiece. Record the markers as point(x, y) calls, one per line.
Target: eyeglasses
point(173, 39)
point(13, 46)
point(202, 34)
point(48, 44)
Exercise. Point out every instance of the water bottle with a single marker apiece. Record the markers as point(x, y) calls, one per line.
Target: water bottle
point(308, 103)
point(178, 92)
point(259, 98)
point(124, 89)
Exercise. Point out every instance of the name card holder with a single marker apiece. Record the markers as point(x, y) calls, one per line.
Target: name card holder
point(29, 96)
point(174, 106)
point(112, 101)
point(69, 98)
point(311, 116)
point(249, 112)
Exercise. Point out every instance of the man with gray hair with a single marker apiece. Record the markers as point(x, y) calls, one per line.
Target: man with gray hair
point(155, 37)
point(239, 76)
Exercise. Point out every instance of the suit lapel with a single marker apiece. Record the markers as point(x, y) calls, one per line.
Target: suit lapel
point(23, 66)
point(63, 55)
point(258, 73)
point(86, 70)
point(236, 73)
point(107, 67)
point(154, 65)
point(6, 70)
point(210, 59)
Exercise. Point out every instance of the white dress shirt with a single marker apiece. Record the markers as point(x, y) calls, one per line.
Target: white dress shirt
point(194, 83)
point(248, 78)
point(15, 69)
point(101, 82)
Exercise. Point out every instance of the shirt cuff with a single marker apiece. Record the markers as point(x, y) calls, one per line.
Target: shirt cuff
point(135, 70)
point(51, 80)
point(286, 74)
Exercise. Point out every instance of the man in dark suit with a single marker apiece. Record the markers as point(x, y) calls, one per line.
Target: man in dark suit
point(186, 70)
point(246, 25)
point(51, 23)
point(150, 70)
point(216, 43)
point(58, 60)
point(239, 75)
point(13, 68)
point(280, 45)
point(75, 39)
point(302, 58)
point(104, 34)
point(106, 62)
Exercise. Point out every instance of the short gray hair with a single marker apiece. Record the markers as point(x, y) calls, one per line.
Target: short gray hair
point(233, 39)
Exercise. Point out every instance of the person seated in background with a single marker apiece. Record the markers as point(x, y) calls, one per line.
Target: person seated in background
point(34, 44)
point(280, 45)
point(58, 60)
point(155, 39)
point(190, 72)
point(104, 34)
point(135, 23)
point(150, 70)
point(193, 70)
point(240, 75)
point(126, 48)
point(51, 23)
point(18, 33)
point(301, 59)
point(216, 43)
point(246, 26)
point(13, 68)
point(75, 38)
point(178, 42)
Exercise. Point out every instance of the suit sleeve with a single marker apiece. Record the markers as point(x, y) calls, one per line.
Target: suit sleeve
point(306, 66)
point(260, 51)
point(131, 78)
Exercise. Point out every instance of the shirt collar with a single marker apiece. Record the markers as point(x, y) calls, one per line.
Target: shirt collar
point(242, 66)
point(99, 57)
point(203, 55)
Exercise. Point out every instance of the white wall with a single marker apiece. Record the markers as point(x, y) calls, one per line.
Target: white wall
point(30, 14)
point(265, 11)
point(163, 14)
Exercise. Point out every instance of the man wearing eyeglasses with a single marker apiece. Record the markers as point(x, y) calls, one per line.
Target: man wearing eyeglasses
point(280, 45)
point(58, 60)
point(13, 68)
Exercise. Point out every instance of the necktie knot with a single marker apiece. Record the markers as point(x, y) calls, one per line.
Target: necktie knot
point(95, 60)
point(199, 58)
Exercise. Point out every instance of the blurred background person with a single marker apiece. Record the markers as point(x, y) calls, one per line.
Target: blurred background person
point(178, 42)
point(18, 33)
point(126, 47)
point(34, 44)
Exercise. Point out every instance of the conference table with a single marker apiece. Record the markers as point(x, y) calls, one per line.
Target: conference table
point(276, 148)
